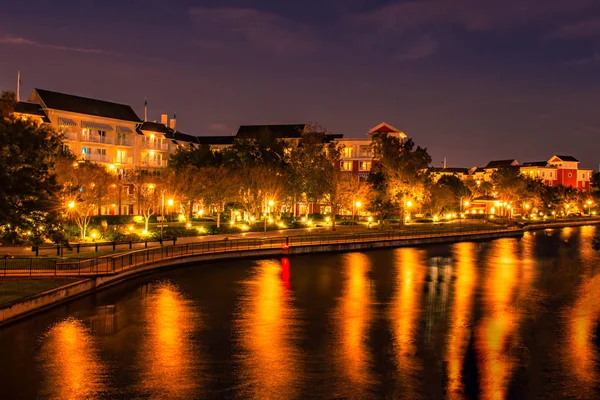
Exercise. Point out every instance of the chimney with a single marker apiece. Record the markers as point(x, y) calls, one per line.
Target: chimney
point(164, 119)
point(173, 122)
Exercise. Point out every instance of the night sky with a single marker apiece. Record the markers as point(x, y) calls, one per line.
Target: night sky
point(471, 80)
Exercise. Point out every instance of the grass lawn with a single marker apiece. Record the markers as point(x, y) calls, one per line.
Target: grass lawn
point(14, 289)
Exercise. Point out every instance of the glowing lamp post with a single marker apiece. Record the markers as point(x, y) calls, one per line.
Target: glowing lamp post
point(589, 204)
point(271, 203)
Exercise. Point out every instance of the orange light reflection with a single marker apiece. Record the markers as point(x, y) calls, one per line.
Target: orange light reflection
point(406, 306)
point(70, 362)
point(460, 323)
point(267, 318)
point(168, 355)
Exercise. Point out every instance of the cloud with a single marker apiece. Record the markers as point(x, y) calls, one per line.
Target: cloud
point(582, 29)
point(260, 29)
point(20, 41)
point(469, 15)
point(418, 50)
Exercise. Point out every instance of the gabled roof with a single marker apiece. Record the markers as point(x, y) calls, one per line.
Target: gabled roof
point(385, 127)
point(535, 164)
point(563, 158)
point(26, 108)
point(291, 131)
point(84, 105)
point(501, 164)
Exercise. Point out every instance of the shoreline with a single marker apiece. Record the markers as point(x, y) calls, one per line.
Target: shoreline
point(23, 308)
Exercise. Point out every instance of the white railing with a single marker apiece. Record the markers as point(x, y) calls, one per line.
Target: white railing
point(71, 135)
point(124, 160)
point(97, 157)
point(96, 139)
point(155, 163)
point(124, 142)
point(155, 145)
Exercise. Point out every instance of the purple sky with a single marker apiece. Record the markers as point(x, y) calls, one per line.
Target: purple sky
point(471, 80)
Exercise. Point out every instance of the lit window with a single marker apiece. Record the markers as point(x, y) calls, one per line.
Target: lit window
point(364, 166)
point(365, 151)
point(346, 165)
point(347, 152)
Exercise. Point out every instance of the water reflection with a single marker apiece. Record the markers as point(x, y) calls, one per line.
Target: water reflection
point(352, 318)
point(505, 287)
point(405, 312)
point(270, 361)
point(168, 358)
point(460, 324)
point(581, 355)
point(70, 363)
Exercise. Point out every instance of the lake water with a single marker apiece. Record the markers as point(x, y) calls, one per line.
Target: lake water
point(509, 318)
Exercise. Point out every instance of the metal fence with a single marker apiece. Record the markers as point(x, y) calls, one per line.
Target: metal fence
point(125, 261)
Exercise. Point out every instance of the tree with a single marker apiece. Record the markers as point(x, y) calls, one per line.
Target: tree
point(28, 186)
point(354, 190)
point(221, 186)
point(400, 172)
point(201, 156)
point(184, 183)
point(144, 192)
point(84, 186)
point(330, 177)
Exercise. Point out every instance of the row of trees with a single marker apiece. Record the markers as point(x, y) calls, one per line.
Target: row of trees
point(40, 185)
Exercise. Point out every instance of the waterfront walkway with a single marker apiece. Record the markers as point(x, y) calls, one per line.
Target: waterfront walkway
point(234, 248)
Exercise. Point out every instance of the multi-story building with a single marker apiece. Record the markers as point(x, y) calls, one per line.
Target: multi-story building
point(559, 170)
point(104, 132)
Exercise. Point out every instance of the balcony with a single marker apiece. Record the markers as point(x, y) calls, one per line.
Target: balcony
point(97, 157)
point(71, 136)
point(124, 142)
point(155, 145)
point(155, 163)
point(124, 160)
point(96, 139)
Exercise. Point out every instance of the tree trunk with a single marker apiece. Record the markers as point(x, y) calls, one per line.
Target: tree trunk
point(218, 219)
point(333, 214)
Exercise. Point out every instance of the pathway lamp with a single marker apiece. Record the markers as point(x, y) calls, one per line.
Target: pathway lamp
point(589, 204)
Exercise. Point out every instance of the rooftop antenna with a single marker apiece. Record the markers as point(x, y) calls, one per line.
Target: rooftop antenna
point(145, 109)
point(18, 85)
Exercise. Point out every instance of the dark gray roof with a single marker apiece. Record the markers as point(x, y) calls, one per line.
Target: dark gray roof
point(500, 163)
point(84, 105)
point(453, 170)
point(332, 136)
point(154, 127)
point(23, 107)
point(280, 131)
point(567, 158)
point(215, 139)
point(535, 164)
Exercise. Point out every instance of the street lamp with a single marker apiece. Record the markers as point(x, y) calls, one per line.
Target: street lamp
point(357, 204)
point(268, 213)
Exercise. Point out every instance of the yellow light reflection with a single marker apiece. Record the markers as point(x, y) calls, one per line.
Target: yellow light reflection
point(353, 316)
point(581, 355)
point(169, 358)
point(411, 271)
point(270, 358)
point(70, 362)
point(506, 287)
point(460, 322)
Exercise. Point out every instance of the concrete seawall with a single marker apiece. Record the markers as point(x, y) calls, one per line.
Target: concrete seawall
point(42, 301)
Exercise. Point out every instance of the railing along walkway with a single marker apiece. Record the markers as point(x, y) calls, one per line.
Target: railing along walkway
point(121, 262)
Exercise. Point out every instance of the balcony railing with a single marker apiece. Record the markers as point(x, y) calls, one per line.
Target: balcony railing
point(71, 135)
point(97, 157)
point(124, 142)
point(124, 160)
point(155, 163)
point(155, 145)
point(97, 139)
